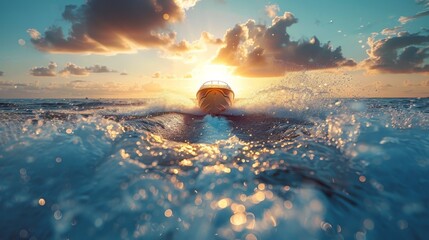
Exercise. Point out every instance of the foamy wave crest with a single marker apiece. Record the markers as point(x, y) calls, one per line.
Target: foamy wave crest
point(297, 95)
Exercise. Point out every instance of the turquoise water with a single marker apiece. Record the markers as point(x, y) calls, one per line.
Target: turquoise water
point(145, 169)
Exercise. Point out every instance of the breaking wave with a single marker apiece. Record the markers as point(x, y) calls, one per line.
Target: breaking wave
point(291, 162)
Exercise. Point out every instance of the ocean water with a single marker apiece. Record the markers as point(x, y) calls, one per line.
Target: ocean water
point(296, 167)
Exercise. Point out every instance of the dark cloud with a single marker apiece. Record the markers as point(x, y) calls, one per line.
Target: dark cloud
point(259, 50)
point(110, 26)
point(405, 53)
point(1, 73)
point(49, 71)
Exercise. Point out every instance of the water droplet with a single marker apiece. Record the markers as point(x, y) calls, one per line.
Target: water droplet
point(168, 213)
point(58, 215)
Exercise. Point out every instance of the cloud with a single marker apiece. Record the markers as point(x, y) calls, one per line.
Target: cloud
point(185, 47)
point(162, 75)
point(404, 20)
point(100, 69)
point(34, 34)
point(69, 69)
point(209, 38)
point(21, 42)
point(260, 51)
point(391, 31)
point(185, 50)
point(73, 69)
point(425, 3)
point(49, 71)
point(186, 4)
point(1, 73)
point(79, 84)
point(272, 10)
point(159, 75)
point(405, 53)
point(156, 75)
point(111, 26)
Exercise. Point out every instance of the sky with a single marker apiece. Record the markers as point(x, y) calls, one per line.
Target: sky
point(155, 48)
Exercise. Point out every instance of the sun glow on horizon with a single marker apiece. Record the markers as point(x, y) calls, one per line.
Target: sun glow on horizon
point(215, 72)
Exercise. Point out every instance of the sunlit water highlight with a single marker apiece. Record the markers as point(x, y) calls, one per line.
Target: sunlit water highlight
point(291, 168)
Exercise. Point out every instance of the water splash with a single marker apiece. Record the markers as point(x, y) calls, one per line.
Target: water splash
point(297, 167)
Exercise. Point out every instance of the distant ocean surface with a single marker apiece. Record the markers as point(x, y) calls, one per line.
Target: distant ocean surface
point(265, 169)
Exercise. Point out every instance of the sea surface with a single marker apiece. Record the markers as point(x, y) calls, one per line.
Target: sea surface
point(269, 168)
